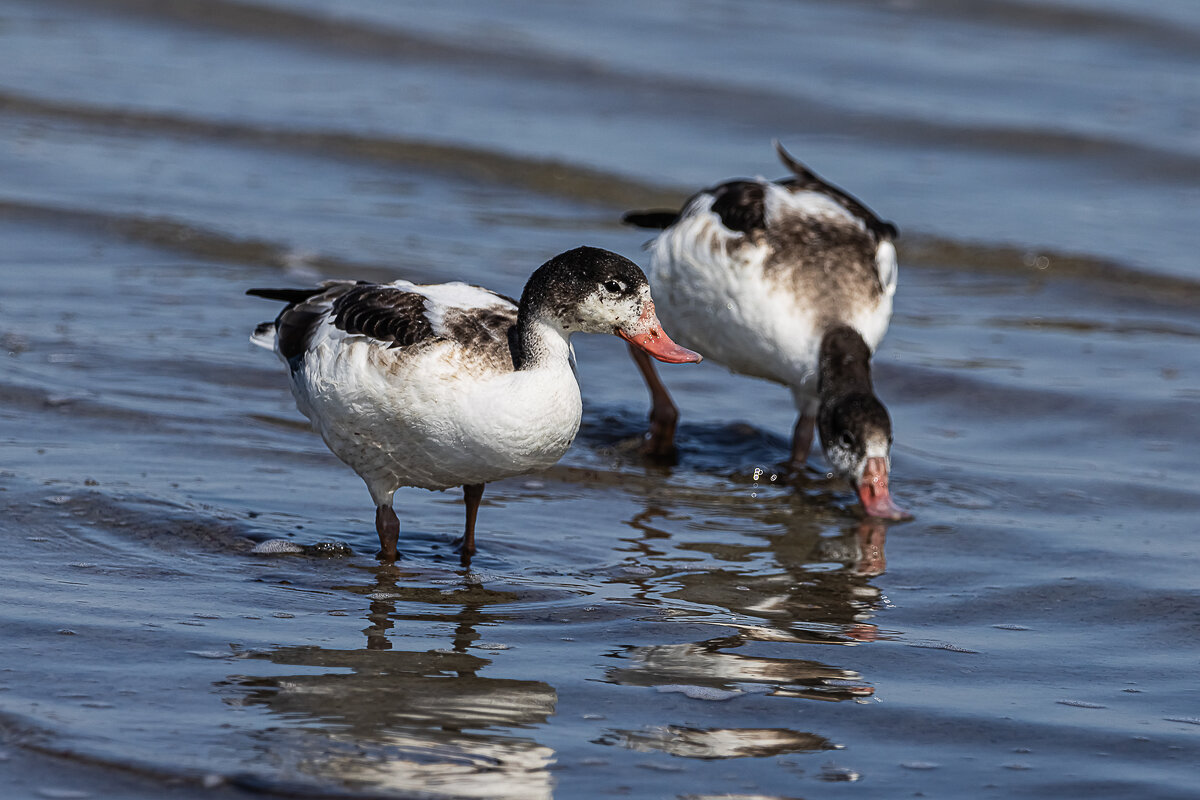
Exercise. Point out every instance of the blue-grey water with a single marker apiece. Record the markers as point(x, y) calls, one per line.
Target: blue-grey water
point(699, 631)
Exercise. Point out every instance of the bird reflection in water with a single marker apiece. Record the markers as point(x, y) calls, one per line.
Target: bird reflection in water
point(688, 742)
point(420, 722)
point(805, 602)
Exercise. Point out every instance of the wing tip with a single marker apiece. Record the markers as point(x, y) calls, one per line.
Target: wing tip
point(883, 229)
point(654, 219)
point(264, 335)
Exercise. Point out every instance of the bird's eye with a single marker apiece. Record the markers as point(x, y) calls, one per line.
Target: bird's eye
point(846, 440)
point(616, 287)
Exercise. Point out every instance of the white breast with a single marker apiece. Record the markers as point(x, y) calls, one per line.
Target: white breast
point(430, 417)
point(716, 299)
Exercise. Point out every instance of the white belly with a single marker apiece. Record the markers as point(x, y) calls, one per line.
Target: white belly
point(713, 296)
point(430, 421)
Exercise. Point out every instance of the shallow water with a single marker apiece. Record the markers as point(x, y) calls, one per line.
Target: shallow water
point(626, 630)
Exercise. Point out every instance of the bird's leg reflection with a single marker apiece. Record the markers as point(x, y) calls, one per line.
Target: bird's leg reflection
point(408, 722)
point(381, 612)
point(382, 608)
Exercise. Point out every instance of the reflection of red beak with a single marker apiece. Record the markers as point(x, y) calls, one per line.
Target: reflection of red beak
point(649, 336)
point(873, 492)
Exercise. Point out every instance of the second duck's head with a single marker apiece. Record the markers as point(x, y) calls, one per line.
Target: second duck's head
point(589, 290)
point(856, 431)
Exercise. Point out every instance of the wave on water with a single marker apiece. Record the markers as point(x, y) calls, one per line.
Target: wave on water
point(917, 250)
point(788, 110)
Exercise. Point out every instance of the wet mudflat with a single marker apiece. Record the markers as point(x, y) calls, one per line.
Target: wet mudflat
point(626, 630)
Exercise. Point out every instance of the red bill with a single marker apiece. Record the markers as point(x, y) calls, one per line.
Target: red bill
point(647, 333)
point(873, 492)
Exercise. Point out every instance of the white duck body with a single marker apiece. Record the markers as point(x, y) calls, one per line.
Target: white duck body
point(447, 411)
point(759, 300)
point(443, 385)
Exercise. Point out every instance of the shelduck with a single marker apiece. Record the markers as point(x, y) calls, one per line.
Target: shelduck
point(791, 281)
point(444, 385)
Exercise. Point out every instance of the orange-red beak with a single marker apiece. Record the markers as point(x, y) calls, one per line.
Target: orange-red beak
point(873, 492)
point(647, 333)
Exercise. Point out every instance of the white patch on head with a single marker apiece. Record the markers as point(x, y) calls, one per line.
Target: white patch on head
point(605, 312)
point(844, 464)
point(877, 447)
point(848, 466)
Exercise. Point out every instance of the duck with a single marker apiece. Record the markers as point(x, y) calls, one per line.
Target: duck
point(791, 281)
point(442, 385)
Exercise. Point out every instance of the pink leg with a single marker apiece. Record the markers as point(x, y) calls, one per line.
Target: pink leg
point(388, 528)
point(472, 494)
point(660, 441)
point(802, 438)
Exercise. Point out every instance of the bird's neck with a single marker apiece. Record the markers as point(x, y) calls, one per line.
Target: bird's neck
point(844, 366)
point(538, 341)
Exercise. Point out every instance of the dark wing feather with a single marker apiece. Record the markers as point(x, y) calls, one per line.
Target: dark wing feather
point(741, 205)
point(299, 318)
point(657, 219)
point(805, 178)
point(384, 313)
point(289, 296)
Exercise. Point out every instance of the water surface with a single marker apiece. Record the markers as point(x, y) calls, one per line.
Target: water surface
point(626, 630)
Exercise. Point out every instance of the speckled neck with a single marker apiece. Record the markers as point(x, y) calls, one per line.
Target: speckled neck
point(844, 365)
point(536, 341)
